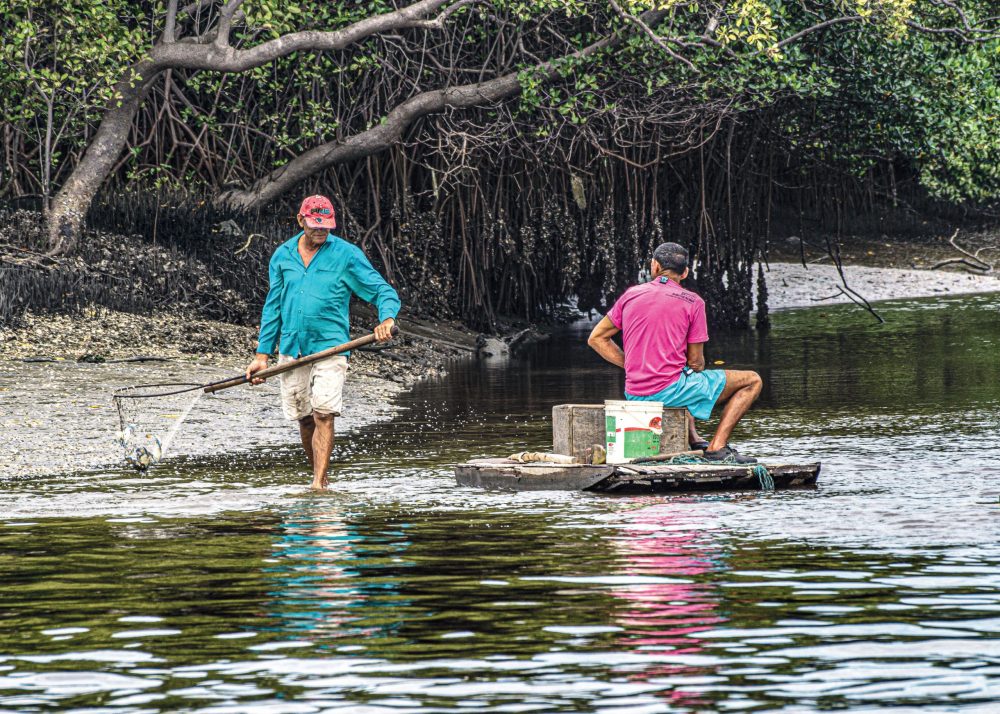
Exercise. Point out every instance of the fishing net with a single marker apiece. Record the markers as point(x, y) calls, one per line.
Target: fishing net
point(149, 417)
point(764, 476)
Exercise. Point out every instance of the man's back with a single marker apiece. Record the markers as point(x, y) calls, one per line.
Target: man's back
point(658, 320)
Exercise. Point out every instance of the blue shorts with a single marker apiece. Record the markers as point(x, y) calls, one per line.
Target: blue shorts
point(698, 391)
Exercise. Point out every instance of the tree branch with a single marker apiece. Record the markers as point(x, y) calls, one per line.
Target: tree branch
point(170, 28)
point(226, 22)
point(972, 260)
point(648, 31)
point(817, 27)
point(195, 7)
point(833, 250)
point(391, 129)
point(224, 58)
point(438, 22)
point(972, 35)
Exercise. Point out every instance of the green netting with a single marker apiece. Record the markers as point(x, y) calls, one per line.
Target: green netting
point(759, 470)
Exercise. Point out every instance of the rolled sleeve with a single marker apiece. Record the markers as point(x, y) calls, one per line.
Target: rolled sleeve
point(615, 314)
point(270, 315)
point(698, 327)
point(371, 287)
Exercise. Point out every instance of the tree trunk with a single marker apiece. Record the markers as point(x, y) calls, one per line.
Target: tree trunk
point(70, 206)
point(69, 209)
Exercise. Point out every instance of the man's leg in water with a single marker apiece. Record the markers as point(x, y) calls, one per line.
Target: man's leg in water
point(325, 385)
point(322, 447)
point(306, 429)
point(741, 390)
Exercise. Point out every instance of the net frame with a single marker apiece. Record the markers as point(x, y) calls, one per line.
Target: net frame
point(129, 392)
point(142, 446)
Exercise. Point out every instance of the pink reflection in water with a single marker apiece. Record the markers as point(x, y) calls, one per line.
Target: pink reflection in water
point(664, 618)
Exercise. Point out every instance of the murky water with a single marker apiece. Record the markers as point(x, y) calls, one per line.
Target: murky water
point(224, 586)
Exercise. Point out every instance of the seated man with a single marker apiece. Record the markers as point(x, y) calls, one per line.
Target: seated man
point(664, 332)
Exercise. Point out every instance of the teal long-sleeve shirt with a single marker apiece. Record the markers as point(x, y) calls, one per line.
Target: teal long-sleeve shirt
point(308, 307)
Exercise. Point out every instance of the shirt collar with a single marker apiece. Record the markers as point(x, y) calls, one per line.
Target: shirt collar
point(292, 244)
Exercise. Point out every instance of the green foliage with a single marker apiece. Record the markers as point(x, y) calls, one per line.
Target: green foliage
point(852, 94)
point(751, 24)
point(858, 100)
point(940, 109)
point(872, 90)
point(59, 61)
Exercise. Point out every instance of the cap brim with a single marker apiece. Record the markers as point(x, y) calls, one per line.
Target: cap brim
point(318, 222)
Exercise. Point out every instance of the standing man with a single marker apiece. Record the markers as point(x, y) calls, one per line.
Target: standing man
point(664, 332)
point(312, 277)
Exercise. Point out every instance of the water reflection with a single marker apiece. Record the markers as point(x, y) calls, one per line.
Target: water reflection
point(664, 618)
point(317, 591)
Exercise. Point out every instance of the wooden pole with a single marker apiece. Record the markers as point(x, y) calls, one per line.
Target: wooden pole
point(308, 359)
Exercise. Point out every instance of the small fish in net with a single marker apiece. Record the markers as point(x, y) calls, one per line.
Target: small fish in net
point(147, 428)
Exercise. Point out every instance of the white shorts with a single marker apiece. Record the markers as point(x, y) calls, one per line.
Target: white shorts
point(315, 387)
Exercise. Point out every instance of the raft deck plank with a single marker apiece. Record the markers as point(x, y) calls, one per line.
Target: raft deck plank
point(508, 475)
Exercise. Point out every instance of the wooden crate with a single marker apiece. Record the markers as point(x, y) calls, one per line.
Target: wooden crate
point(577, 427)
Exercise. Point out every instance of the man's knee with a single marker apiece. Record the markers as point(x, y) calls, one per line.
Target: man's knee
point(751, 381)
point(322, 417)
point(740, 378)
point(306, 421)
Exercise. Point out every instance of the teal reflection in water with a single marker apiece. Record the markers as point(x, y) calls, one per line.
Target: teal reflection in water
point(320, 589)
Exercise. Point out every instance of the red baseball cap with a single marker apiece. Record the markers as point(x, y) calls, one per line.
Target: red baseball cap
point(317, 212)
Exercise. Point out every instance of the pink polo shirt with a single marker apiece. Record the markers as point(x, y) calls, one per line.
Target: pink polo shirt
point(658, 320)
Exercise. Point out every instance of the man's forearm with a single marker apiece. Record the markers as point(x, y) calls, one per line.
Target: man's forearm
point(696, 356)
point(609, 350)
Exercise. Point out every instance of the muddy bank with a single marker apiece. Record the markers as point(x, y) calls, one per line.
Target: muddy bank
point(794, 285)
point(98, 335)
point(58, 417)
point(58, 373)
point(907, 253)
point(801, 273)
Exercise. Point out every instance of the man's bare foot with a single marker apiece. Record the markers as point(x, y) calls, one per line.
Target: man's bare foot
point(693, 436)
point(319, 485)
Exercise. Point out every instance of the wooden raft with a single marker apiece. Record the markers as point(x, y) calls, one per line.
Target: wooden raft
point(508, 475)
